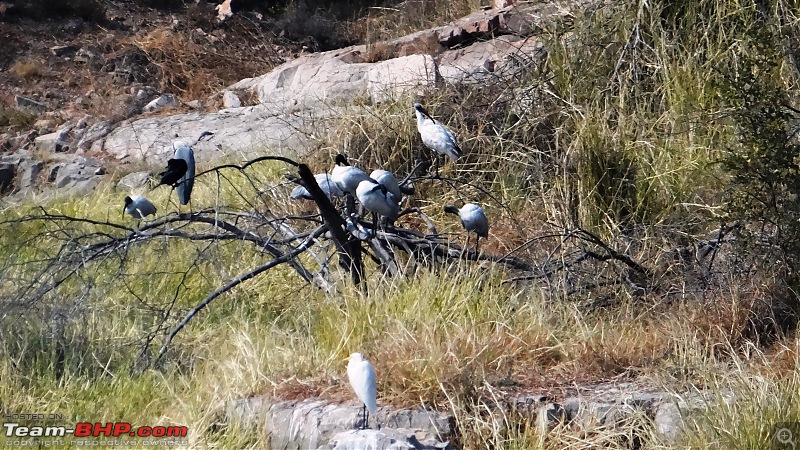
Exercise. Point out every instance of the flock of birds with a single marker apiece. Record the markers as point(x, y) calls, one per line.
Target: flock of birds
point(378, 192)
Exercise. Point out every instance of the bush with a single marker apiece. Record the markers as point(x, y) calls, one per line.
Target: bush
point(763, 164)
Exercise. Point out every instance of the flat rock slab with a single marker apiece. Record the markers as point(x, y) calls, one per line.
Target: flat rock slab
point(386, 439)
point(245, 131)
point(313, 423)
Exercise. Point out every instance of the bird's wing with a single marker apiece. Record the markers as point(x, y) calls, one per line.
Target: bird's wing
point(370, 387)
point(449, 136)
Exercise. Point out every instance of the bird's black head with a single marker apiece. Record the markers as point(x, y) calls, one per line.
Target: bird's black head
point(451, 209)
point(341, 160)
point(422, 111)
point(128, 201)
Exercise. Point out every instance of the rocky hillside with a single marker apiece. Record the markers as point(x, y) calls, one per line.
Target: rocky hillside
point(104, 85)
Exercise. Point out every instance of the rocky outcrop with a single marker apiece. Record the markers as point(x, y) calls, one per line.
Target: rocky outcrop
point(296, 97)
point(316, 424)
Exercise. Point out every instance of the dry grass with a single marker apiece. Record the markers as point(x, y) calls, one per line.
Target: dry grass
point(27, 69)
point(622, 144)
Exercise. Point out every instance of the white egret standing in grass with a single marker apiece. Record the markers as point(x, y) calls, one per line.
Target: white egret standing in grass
point(377, 199)
point(472, 219)
point(138, 207)
point(436, 136)
point(325, 183)
point(362, 379)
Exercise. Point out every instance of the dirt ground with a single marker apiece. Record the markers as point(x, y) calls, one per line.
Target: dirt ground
point(106, 63)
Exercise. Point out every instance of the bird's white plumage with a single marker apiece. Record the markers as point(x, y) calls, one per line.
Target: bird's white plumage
point(347, 177)
point(388, 180)
point(377, 199)
point(325, 183)
point(362, 379)
point(436, 136)
point(186, 183)
point(473, 219)
point(139, 207)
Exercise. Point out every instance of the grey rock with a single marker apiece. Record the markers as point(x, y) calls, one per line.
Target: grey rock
point(93, 133)
point(29, 173)
point(133, 181)
point(247, 131)
point(313, 423)
point(52, 142)
point(163, 101)
point(86, 56)
point(387, 79)
point(230, 100)
point(491, 60)
point(385, 439)
point(669, 421)
point(54, 173)
point(63, 50)
point(30, 105)
point(77, 178)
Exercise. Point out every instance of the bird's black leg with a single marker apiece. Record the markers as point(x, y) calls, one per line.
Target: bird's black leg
point(350, 205)
point(477, 242)
point(366, 418)
point(375, 224)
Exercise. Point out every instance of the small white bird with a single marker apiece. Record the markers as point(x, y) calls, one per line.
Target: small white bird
point(472, 219)
point(325, 183)
point(362, 379)
point(138, 207)
point(347, 177)
point(376, 198)
point(436, 136)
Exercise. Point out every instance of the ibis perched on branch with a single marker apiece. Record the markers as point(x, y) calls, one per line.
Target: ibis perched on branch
point(436, 136)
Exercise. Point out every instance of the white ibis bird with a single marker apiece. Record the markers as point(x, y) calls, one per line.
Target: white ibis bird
point(325, 183)
point(181, 170)
point(138, 207)
point(184, 185)
point(362, 379)
point(472, 219)
point(388, 180)
point(436, 136)
point(347, 177)
point(374, 197)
